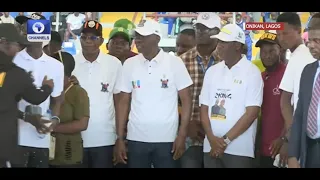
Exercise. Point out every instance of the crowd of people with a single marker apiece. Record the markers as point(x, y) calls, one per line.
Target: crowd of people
point(207, 106)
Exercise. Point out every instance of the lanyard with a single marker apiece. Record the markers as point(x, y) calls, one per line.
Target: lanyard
point(200, 62)
point(60, 55)
point(70, 86)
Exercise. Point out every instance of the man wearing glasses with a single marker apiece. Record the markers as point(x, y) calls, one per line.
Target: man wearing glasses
point(98, 74)
point(197, 61)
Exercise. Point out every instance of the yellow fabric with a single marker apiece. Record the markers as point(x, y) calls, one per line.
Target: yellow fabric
point(259, 64)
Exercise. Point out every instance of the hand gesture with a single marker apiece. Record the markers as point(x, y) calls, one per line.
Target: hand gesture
point(41, 125)
point(49, 82)
point(179, 146)
point(275, 147)
point(218, 146)
point(121, 153)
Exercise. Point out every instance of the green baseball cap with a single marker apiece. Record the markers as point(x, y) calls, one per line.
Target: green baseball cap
point(125, 23)
point(120, 31)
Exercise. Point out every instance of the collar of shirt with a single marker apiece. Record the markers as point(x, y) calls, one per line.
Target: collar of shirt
point(238, 65)
point(193, 53)
point(84, 60)
point(301, 46)
point(26, 56)
point(156, 59)
point(276, 71)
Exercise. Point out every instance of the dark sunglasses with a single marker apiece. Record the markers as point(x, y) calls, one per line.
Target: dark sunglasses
point(93, 38)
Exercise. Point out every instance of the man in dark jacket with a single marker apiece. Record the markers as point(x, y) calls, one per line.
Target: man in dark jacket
point(15, 84)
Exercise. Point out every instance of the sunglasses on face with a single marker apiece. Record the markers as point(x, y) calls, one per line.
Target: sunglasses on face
point(92, 38)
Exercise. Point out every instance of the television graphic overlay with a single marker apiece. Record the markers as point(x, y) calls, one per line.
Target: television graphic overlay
point(39, 30)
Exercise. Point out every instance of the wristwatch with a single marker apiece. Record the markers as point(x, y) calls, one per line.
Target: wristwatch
point(284, 138)
point(226, 139)
point(56, 118)
point(121, 138)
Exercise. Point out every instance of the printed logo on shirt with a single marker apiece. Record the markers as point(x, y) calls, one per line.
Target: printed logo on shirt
point(218, 110)
point(164, 82)
point(2, 78)
point(104, 87)
point(237, 81)
point(276, 91)
point(135, 84)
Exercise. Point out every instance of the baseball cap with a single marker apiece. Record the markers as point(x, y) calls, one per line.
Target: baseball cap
point(10, 33)
point(267, 37)
point(148, 27)
point(124, 23)
point(231, 33)
point(209, 19)
point(120, 31)
point(24, 19)
point(93, 27)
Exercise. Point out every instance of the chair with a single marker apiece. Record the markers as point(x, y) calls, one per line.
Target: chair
point(69, 47)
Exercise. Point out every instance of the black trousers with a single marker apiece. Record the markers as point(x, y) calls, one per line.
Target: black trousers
point(266, 162)
point(67, 166)
point(34, 157)
point(145, 155)
point(98, 157)
point(313, 153)
point(228, 161)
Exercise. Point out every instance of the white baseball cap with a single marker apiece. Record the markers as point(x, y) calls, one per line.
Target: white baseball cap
point(148, 27)
point(209, 19)
point(231, 33)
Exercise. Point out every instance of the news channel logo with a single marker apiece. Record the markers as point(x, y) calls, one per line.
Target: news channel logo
point(38, 30)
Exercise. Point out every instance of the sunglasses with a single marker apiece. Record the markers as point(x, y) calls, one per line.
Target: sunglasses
point(92, 38)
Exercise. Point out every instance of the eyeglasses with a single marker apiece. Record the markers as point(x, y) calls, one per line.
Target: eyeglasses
point(92, 38)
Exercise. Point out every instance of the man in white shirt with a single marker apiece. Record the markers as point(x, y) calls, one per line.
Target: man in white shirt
point(290, 38)
point(229, 109)
point(154, 79)
point(74, 24)
point(98, 74)
point(34, 145)
point(7, 18)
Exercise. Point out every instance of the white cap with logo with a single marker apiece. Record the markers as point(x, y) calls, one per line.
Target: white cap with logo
point(209, 19)
point(148, 27)
point(231, 33)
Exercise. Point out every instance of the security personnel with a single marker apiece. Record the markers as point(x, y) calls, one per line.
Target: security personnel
point(15, 84)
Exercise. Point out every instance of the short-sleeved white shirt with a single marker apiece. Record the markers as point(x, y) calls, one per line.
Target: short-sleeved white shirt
point(227, 93)
point(154, 86)
point(291, 79)
point(39, 68)
point(75, 22)
point(99, 79)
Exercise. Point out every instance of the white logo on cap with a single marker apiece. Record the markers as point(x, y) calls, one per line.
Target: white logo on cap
point(91, 24)
point(141, 23)
point(205, 16)
point(35, 16)
point(240, 35)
